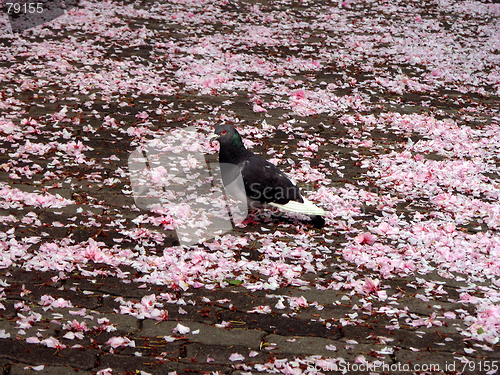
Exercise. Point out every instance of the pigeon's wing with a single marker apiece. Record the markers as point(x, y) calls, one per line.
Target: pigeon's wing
point(265, 183)
point(233, 181)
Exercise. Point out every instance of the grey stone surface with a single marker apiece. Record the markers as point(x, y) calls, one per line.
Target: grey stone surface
point(304, 345)
point(434, 362)
point(207, 335)
point(10, 327)
point(124, 323)
point(123, 364)
point(37, 90)
point(221, 354)
point(35, 355)
point(23, 369)
point(324, 297)
point(323, 347)
point(4, 366)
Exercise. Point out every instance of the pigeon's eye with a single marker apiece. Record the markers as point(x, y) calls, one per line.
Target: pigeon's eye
point(223, 132)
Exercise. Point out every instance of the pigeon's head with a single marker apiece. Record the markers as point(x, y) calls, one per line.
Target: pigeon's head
point(231, 145)
point(227, 135)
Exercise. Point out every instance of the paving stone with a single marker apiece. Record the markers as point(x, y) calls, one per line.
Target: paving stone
point(328, 313)
point(208, 335)
point(280, 325)
point(16, 350)
point(130, 364)
point(52, 320)
point(220, 354)
point(306, 345)
point(152, 328)
point(23, 369)
point(114, 287)
point(317, 346)
point(124, 323)
point(323, 297)
point(433, 362)
point(303, 331)
point(10, 327)
point(4, 363)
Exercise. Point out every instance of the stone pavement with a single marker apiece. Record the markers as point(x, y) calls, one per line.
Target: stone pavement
point(207, 347)
point(125, 72)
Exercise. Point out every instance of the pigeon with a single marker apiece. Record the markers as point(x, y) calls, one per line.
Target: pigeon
point(264, 184)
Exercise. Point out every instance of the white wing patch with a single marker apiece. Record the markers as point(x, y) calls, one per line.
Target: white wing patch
point(306, 208)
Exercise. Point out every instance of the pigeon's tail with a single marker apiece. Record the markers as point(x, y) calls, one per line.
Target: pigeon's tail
point(306, 208)
point(318, 221)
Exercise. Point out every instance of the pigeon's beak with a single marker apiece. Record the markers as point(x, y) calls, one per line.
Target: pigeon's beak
point(214, 140)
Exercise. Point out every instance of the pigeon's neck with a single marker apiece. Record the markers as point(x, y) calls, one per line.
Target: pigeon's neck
point(233, 151)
